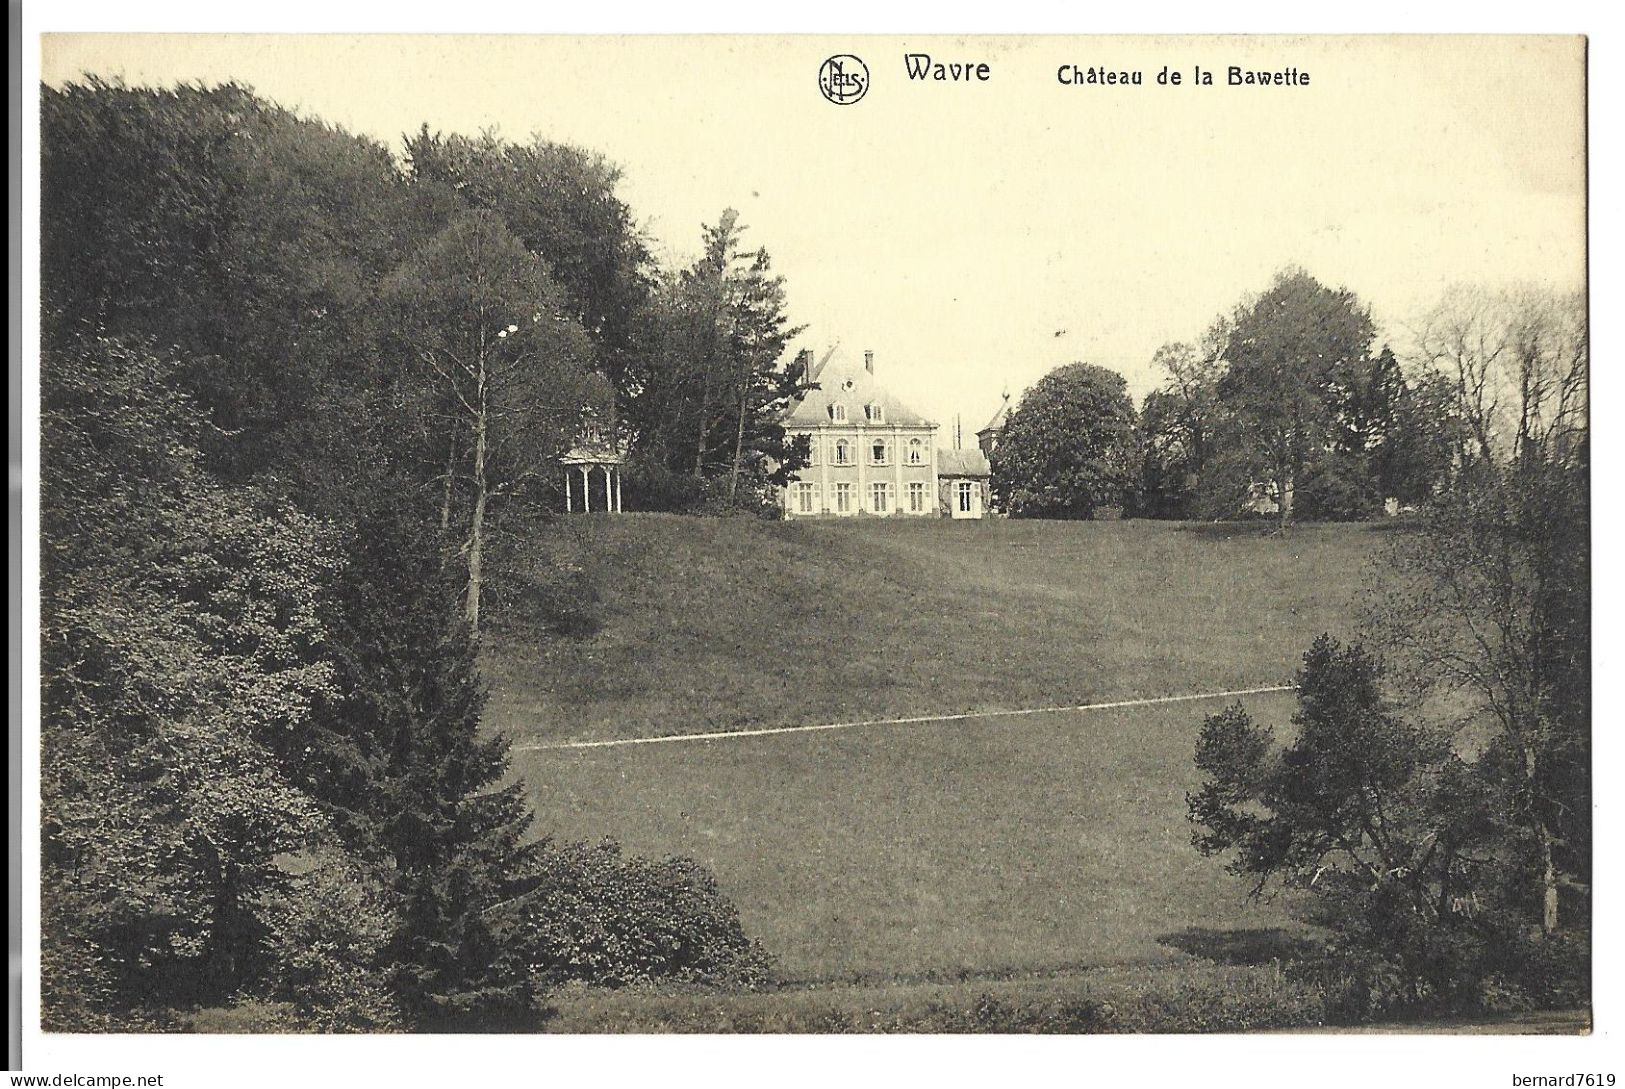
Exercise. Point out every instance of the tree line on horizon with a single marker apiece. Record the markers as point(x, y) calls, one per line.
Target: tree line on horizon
point(1289, 399)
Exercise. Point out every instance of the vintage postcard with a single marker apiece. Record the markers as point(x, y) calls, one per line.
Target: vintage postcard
point(836, 536)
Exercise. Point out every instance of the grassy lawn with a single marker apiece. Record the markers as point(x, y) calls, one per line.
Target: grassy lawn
point(938, 853)
point(929, 852)
point(713, 624)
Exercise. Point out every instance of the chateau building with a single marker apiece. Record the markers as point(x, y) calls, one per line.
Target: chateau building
point(870, 454)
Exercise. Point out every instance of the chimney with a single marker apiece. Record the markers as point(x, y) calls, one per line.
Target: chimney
point(869, 362)
point(804, 362)
point(959, 434)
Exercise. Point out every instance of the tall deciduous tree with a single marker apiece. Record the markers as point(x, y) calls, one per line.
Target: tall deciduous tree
point(1488, 601)
point(1068, 448)
point(1180, 420)
point(561, 203)
point(181, 647)
point(507, 363)
point(1285, 353)
point(1518, 361)
point(249, 238)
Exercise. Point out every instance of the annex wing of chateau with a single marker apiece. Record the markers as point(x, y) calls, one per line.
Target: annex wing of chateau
point(871, 454)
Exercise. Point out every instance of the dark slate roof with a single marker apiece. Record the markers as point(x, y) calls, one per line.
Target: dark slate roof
point(963, 463)
point(832, 382)
point(997, 422)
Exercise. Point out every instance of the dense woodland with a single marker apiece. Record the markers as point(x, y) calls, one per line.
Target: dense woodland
point(300, 396)
point(296, 394)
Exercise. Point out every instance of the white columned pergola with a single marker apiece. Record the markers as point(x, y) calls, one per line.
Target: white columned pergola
point(592, 460)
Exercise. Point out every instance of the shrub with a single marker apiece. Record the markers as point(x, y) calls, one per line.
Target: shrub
point(599, 916)
point(1337, 488)
point(1220, 492)
point(650, 485)
point(326, 938)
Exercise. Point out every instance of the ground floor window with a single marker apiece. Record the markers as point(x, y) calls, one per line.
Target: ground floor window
point(965, 487)
point(881, 493)
point(916, 497)
point(843, 499)
point(806, 498)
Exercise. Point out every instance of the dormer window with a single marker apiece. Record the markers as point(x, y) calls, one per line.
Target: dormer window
point(837, 412)
point(874, 413)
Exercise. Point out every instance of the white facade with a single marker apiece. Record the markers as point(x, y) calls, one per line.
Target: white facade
point(870, 454)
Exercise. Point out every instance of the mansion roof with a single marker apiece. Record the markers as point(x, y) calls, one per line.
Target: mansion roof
point(845, 382)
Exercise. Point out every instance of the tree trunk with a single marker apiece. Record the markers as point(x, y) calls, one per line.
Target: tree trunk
point(699, 441)
point(445, 500)
point(739, 447)
point(1282, 485)
point(1543, 848)
point(476, 525)
point(1548, 878)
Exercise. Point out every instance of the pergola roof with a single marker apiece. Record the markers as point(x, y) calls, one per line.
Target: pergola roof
point(593, 453)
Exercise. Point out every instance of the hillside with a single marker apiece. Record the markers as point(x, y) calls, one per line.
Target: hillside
point(974, 849)
point(714, 624)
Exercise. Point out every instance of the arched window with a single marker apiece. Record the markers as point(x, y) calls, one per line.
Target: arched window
point(916, 452)
point(879, 453)
point(837, 412)
point(843, 452)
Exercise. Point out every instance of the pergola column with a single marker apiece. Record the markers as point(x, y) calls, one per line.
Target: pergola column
point(586, 489)
point(569, 501)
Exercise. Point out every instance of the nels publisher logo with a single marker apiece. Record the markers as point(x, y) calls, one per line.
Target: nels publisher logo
point(843, 79)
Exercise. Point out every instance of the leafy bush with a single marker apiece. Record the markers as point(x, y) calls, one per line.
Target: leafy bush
point(1220, 492)
point(327, 937)
point(602, 917)
point(652, 486)
point(752, 496)
point(1338, 488)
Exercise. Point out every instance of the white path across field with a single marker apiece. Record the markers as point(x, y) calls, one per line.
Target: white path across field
point(729, 734)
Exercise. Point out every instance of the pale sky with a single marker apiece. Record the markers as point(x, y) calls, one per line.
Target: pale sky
point(955, 229)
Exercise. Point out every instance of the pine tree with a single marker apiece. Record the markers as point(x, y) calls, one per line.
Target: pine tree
point(408, 780)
